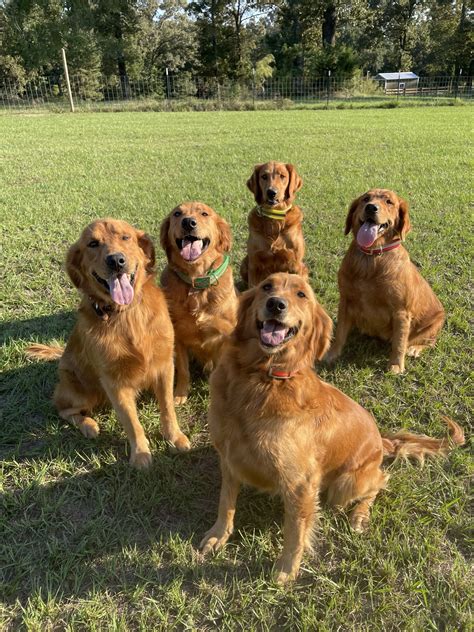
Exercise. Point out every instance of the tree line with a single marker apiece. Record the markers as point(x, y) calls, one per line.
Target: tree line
point(233, 40)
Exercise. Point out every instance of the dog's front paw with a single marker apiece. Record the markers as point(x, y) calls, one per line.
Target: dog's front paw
point(397, 369)
point(141, 460)
point(180, 444)
point(285, 572)
point(180, 399)
point(214, 539)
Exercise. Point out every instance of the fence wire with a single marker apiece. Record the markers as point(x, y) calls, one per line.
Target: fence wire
point(93, 92)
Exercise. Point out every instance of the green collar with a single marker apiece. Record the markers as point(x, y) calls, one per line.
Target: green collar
point(212, 277)
point(273, 213)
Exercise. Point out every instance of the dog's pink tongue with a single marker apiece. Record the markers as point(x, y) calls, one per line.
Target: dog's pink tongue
point(273, 333)
point(367, 234)
point(192, 250)
point(120, 289)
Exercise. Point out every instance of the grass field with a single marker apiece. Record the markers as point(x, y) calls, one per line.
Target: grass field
point(87, 543)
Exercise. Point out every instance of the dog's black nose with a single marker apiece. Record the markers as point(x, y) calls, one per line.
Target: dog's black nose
point(116, 261)
point(189, 223)
point(277, 305)
point(371, 208)
point(271, 193)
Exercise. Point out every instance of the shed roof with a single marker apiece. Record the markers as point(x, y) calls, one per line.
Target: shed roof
point(394, 76)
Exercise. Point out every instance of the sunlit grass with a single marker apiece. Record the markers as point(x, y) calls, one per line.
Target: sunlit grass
point(88, 543)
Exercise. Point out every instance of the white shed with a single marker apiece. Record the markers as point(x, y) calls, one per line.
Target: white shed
point(402, 82)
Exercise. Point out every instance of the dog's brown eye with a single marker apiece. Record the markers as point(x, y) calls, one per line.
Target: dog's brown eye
point(301, 294)
point(93, 244)
point(264, 177)
point(177, 213)
point(267, 287)
point(366, 199)
point(389, 202)
point(204, 213)
point(125, 237)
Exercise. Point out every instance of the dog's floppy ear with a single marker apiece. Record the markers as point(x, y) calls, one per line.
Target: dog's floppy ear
point(352, 208)
point(253, 183)
point(404, 225)
point(321, 334)
point(73, 265)
point(224, 241)
point(146, 244)
point(245, 302)
point(294, 184)
point(164, 236)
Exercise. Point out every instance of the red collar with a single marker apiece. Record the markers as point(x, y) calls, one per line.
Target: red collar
point(379, 250)
point(277, 374)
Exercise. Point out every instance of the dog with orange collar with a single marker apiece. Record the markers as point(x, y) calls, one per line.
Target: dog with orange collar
point(278, 427)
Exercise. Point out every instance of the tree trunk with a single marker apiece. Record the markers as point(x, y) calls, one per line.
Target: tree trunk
point(121, 64)
point(329, 26)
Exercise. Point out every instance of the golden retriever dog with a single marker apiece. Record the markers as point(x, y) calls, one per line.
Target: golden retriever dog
point(275, 242)
point(381, 291)
point(199, 286)
point(123, 339)
point(278, 427)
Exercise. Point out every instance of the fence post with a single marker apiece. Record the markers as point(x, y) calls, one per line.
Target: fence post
point(328, 88)
point(253, 88)
point(66, 76)
point(167, 83)
point(456, 85)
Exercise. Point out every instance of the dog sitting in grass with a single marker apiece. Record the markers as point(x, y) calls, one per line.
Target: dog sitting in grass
point(381, 291)
point(199, 286)
point(275, 242)
point(278, 427)
point(123, 339)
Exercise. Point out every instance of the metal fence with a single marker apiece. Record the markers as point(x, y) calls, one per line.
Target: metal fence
point(162, 92)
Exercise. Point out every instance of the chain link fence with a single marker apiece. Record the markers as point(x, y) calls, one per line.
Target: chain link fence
point(184, 92)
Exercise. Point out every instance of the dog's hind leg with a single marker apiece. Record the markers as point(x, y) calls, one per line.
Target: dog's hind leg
point(425, 336)
point(360, 487)
point(74, 404)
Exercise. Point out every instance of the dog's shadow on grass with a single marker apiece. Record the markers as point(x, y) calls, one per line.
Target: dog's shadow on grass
point(42, 328)
point(106, 526)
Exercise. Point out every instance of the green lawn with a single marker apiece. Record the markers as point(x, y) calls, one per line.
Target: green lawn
point(87, 543)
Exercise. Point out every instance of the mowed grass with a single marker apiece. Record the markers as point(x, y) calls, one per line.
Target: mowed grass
point(87, 543)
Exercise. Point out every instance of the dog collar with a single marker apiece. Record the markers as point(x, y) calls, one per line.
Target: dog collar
point(277, 374)
point(380, 249)
point(263, 211)
point(211, 278)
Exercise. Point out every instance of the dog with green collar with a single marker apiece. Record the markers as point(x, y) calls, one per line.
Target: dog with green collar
point(199, 286)
point(275, 242)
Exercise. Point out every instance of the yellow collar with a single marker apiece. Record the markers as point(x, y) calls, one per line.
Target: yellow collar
point(263, 211)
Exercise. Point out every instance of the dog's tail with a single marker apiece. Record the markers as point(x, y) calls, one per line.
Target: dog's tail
point(406, 444)
point(44, 352)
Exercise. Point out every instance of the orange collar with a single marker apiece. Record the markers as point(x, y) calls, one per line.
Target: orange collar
point(379, 250)
point(277, 374)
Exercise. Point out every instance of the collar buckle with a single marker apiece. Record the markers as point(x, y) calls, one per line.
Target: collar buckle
point(279, 375)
